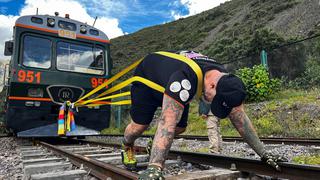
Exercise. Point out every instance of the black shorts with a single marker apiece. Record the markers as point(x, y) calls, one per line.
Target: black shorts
point(144, 104)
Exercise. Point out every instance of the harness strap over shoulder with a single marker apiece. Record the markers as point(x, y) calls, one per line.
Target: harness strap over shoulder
point(194, 66)
point(97, 101)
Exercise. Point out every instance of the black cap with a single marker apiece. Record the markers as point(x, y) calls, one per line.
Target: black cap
point(230, 93)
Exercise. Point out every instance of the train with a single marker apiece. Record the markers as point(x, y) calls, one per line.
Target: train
point(54, 59)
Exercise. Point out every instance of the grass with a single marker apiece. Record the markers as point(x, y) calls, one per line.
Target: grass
point(313, 160)
point(203, 150)
point(297, 95)
point(112, 130)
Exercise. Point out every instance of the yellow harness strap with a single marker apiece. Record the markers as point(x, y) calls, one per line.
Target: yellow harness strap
point(194, 66)
point(113, 78)
point(157, 87)
point(105, 98)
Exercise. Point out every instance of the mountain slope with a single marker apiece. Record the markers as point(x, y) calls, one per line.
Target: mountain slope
point(231, 24)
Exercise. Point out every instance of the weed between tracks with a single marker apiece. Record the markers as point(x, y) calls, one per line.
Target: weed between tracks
point(314, 160)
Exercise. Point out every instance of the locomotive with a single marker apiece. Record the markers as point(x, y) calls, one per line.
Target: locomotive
point(54, 59)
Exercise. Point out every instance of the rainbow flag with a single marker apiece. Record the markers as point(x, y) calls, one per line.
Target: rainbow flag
point(71, 125)
point(61, 125)
point(72, 121)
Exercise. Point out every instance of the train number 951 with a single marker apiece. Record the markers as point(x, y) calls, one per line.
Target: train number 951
point(29, 76)
point(95, 82)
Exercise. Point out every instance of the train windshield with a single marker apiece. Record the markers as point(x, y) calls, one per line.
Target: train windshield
point(37, 52)
point(80, 58)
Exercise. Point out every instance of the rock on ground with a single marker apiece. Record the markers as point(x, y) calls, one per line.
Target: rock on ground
point(10, 161)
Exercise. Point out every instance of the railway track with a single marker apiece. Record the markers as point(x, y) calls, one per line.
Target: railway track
point(72, 159)
point(103, 161)
point(289, 170)
point(89, 160)
point(4, 135)
point(55, 160)
point(275, 140)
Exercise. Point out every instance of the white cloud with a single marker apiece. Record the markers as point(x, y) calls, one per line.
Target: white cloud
point(6, 25)
point(176, 15)
point(76, 11)
point(197, 6)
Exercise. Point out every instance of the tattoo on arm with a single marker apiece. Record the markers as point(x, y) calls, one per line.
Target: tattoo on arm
point(244, 126)
point(170, 116)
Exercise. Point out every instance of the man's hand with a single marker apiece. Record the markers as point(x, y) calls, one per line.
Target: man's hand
point(273, 160)
point(151, 173)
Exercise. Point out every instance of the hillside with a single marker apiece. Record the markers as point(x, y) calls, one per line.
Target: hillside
point(225, 32)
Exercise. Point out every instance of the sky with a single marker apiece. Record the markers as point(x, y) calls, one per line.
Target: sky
point(115, 17)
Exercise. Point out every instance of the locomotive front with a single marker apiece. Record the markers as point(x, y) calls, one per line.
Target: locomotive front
point(54, 60)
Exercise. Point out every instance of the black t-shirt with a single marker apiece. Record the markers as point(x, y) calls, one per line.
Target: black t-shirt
point(177, 77)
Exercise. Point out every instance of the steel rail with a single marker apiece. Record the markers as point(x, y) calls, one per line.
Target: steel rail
point(275, 140)
point(4, 135)
point(288, 170)
point(97, 168)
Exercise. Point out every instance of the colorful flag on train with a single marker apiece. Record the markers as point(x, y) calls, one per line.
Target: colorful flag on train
point(66, 123)
point(61, 125)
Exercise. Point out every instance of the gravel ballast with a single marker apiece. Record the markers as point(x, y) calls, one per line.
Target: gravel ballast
point(10, 160)
point(235, 149)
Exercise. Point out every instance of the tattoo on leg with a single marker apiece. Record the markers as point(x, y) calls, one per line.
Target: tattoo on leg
point(131, 134)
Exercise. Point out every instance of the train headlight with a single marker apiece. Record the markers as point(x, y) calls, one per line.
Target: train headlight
point(35, 92)
point(29, 103)
point(37, 103)
point(51, 22)
point(83, 29)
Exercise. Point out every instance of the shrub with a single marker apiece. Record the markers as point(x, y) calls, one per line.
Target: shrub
point(259, 85)
point(312, 72)
point(310, 77)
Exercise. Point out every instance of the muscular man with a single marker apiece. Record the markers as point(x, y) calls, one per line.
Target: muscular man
point(226, 92)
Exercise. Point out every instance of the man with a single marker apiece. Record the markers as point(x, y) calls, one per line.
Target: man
point(213, 127)
point(181, 80)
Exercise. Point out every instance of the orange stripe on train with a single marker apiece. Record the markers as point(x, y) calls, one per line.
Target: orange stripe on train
point(29, 98)
point(48, 99)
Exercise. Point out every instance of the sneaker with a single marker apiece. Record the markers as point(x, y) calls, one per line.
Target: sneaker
point(128, 157)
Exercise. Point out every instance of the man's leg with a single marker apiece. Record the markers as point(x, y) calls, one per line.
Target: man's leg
point(214, 134)
point(132, 132)
point(141, 111)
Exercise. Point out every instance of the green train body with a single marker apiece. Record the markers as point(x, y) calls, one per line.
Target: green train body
point(53, 60)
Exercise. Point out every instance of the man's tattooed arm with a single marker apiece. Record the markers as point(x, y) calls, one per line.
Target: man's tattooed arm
point(244, 126)
point(170, 116)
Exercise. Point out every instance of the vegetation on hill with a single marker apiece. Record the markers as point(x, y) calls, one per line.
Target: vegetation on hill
point(234, 29)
